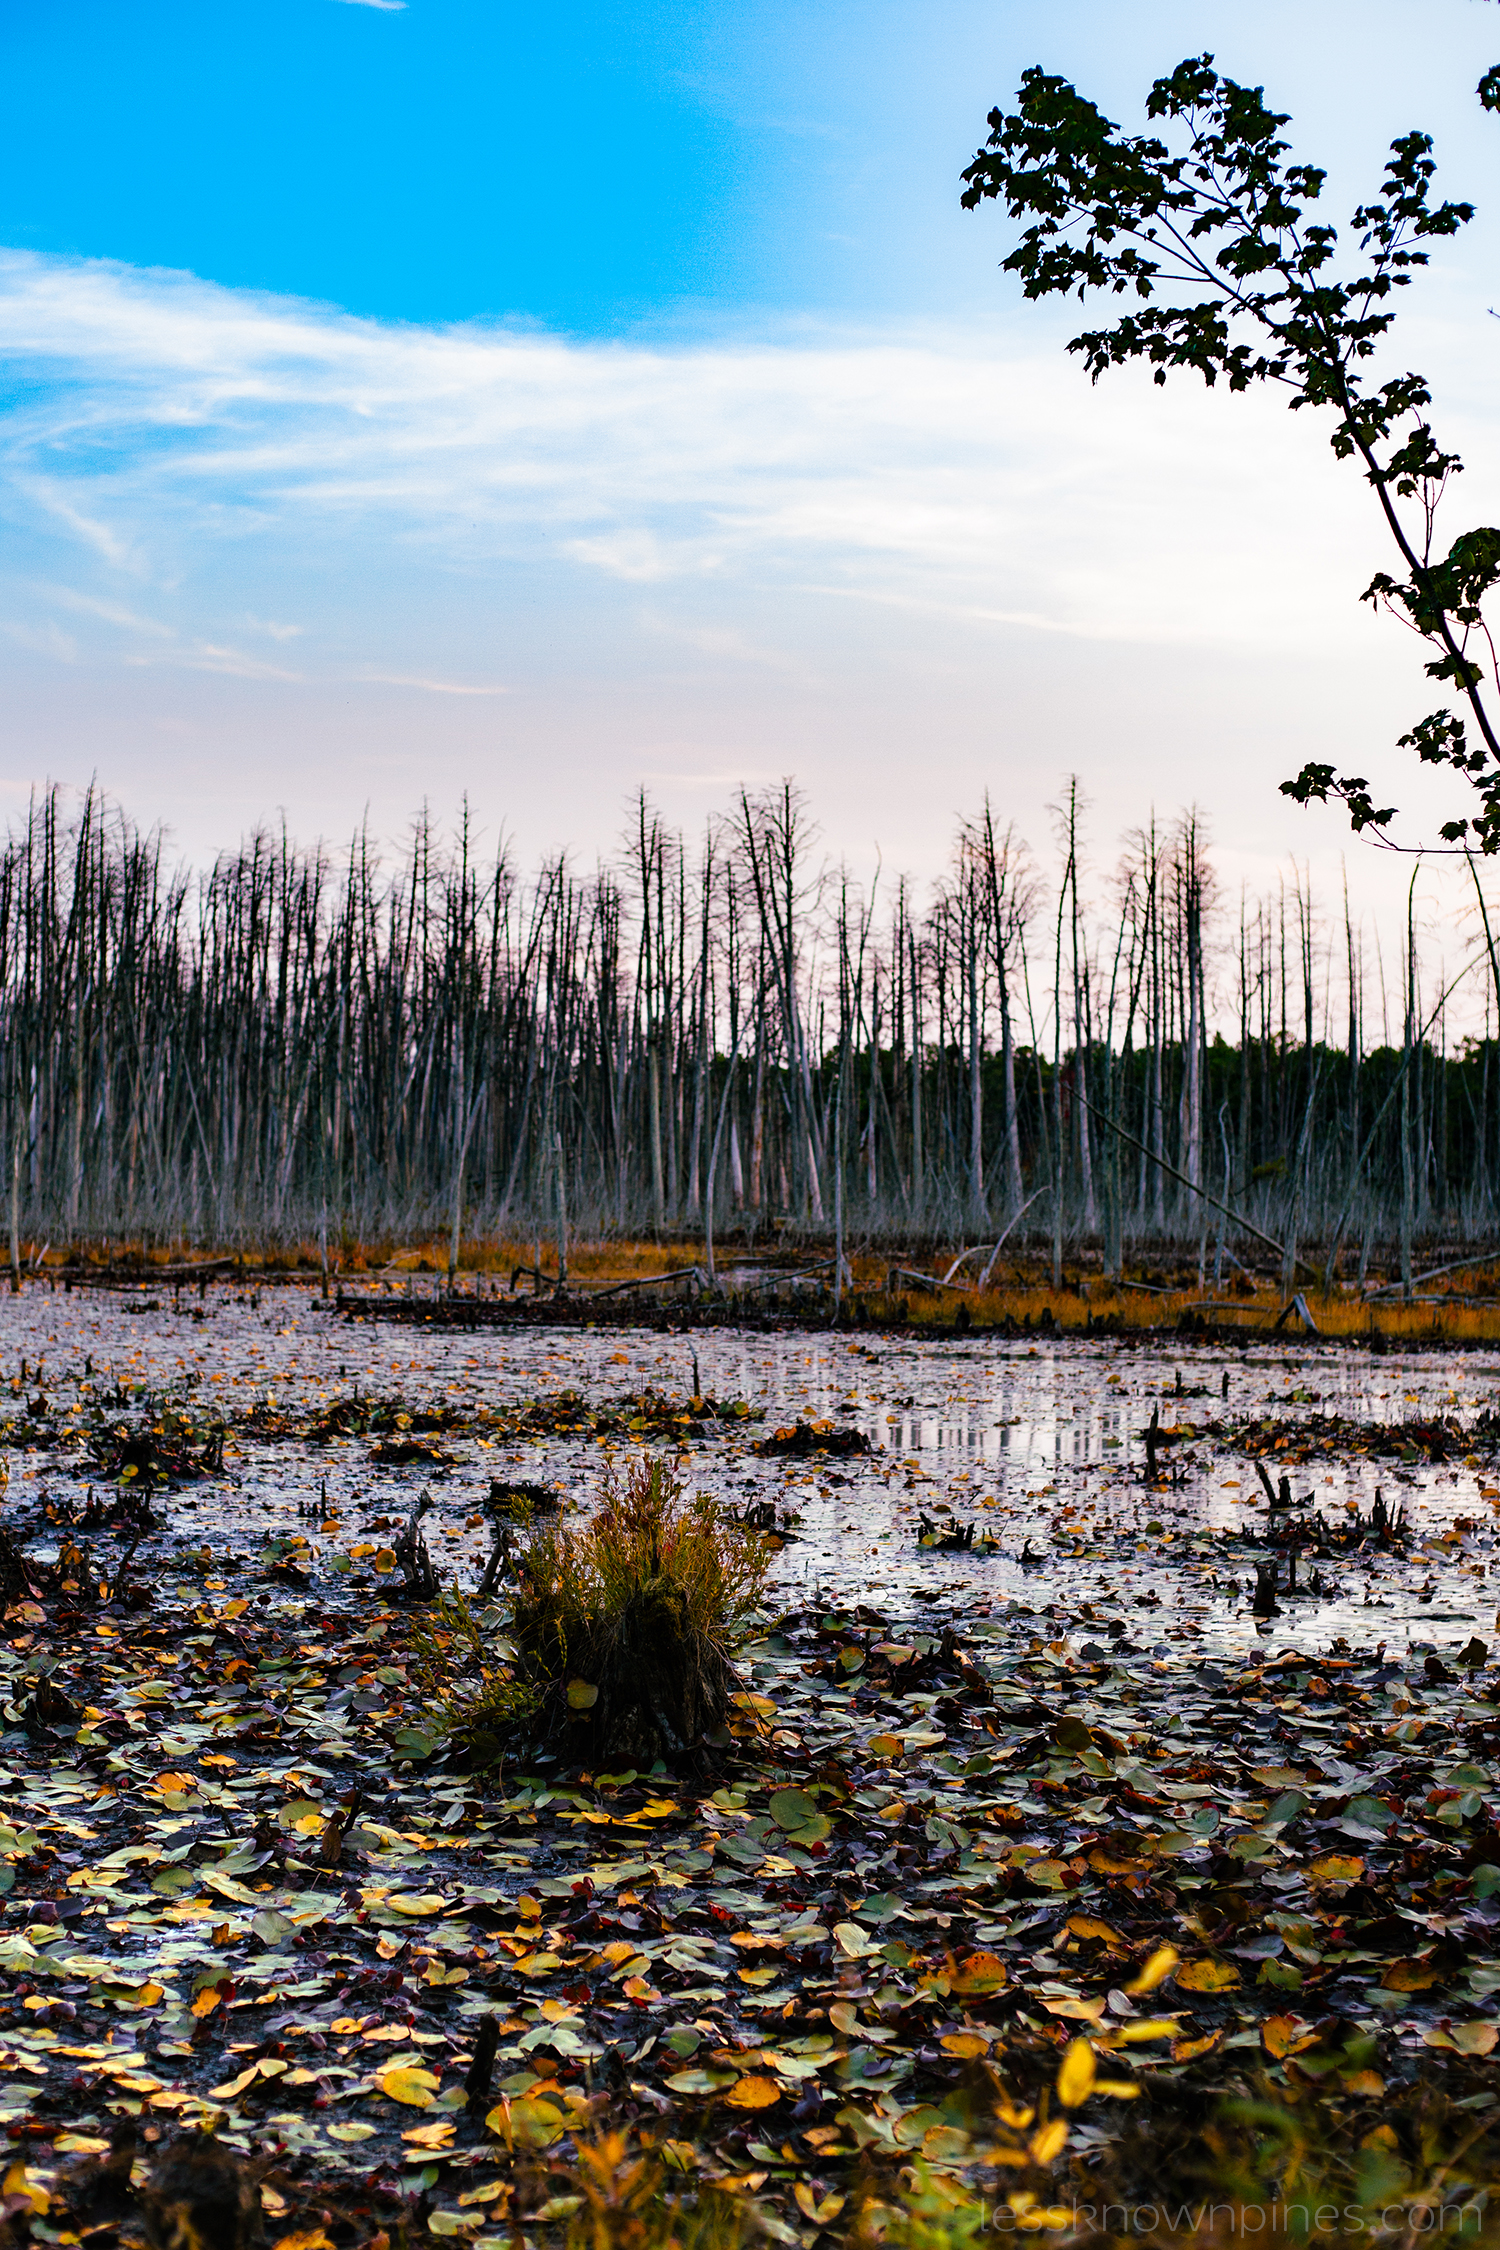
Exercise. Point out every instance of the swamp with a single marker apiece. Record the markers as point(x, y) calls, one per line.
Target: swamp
point(722, 1548)
point(683, 1560)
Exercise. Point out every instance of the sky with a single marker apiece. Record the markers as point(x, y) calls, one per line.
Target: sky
point(412, 403)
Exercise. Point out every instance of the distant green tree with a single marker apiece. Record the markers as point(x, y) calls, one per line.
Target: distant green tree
point(1219, 217)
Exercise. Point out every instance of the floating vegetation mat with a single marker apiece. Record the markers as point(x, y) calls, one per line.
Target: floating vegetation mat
point(1028, 1871)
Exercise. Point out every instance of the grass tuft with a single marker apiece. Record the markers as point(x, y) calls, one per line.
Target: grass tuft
point(625, 2203)
point(627, 1627)
point(480, 1704)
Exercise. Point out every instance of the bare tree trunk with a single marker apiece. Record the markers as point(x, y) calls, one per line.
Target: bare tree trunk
point(1057, 1092)
point(978, 1212)
point(658, 1181)
point(758, 1114)
point(15, 1214)
point(918, 1164)
point(1407, 1185)
point(560, 1162)
point(838, 1188)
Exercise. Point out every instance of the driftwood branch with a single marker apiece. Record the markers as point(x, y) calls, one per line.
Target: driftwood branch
point(1248, 1226)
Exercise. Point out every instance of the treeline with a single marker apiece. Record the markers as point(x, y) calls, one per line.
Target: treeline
point(723, 1031)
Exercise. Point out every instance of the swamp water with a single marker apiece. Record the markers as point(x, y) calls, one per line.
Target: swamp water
point(1039, 1447)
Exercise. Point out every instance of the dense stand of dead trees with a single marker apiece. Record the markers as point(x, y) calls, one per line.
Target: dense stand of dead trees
point(720, 1031)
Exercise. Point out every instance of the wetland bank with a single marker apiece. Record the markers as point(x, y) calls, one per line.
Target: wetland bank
point(1028, 1848)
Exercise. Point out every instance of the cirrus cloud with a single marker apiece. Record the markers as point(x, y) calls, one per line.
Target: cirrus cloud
point(831, 552)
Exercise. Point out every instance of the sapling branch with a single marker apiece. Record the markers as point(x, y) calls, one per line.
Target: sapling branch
point(1224, 214)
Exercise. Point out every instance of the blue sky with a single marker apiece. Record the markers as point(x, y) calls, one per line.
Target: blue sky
point(623, 166)
point(412, 401)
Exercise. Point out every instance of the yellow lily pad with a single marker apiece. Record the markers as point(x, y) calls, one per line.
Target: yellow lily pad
point(978, 1972)
point(1155, 1971)
point(1336, 1867)
point(1207, 1976)
point(409, 2085)
point(1409, 1976)
point(754, 2091)
point(1075, 2079)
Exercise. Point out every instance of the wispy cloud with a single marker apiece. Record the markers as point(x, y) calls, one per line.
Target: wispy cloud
point(205, 656)
point(638, 557)
point(166, 418)
point(907, 567)
point(108, 612)
point(429, 687)
point(47, 639)
point(49, 495)
point(386, 7)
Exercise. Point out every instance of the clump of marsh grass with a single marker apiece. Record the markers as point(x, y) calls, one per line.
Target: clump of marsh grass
point(479, 1703)
point(627, 2202)
point(626, 1629)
